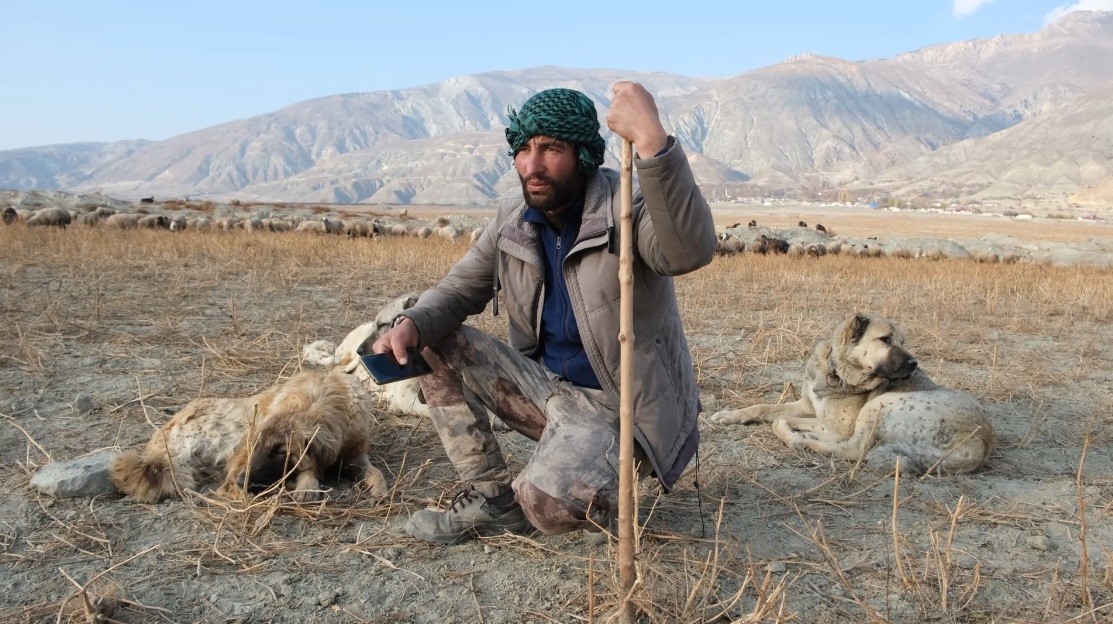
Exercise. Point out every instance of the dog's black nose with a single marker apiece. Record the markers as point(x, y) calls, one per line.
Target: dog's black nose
point(912, 364)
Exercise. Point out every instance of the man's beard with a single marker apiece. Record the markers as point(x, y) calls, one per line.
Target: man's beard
point(559, 194)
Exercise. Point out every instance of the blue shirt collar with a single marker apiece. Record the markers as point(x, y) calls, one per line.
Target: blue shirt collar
point(574, 215)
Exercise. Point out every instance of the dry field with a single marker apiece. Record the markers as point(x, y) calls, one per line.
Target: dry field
point(140, 322)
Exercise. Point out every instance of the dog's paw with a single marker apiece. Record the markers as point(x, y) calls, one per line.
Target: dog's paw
point(374, 484)
point(727, 417)
point(307, 496)
point(800, 440)
point(320, 353)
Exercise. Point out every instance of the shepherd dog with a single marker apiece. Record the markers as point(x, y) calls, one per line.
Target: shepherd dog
point(288, 437)
point(401, 397)
point(865, 396)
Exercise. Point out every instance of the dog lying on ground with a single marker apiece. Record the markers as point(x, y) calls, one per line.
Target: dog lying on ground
point(864, 395)
point(402, 397)
point(313, 426)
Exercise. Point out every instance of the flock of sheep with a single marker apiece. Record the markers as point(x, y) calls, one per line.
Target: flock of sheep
point(803, 241)
point(41, 209)
point(352, 227)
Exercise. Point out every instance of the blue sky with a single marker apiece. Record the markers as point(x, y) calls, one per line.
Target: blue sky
point(110, 70)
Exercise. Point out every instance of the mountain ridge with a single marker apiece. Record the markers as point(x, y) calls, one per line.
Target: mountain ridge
point(805, 126)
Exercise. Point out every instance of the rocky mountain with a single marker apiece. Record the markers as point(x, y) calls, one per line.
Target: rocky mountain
point(1067, 150)
point(1003, 117)
point(60, 166)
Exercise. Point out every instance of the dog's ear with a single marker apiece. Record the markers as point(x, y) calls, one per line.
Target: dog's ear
point(856, 328)
point(411, 300)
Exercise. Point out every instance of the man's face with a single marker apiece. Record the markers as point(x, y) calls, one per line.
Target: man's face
point(550, 174)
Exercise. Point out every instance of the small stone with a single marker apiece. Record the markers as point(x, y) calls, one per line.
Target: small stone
point(1039, 542)
point(327, 598)
point(487, 549)
point(776, 567)
point(84, 476)
point(1060, 531)
point(84, 404)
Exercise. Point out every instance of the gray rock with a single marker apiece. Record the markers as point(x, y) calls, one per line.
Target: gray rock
point(776, 567)
point(1039, 542)
point(84, 476)
point(84, 404)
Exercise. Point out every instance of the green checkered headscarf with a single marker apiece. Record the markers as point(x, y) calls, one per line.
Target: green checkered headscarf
point(562, 114)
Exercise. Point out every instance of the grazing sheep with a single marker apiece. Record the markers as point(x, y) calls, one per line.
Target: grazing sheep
point(398, 230)
point(104, 211)
point(731, 227)
point(277, 225)
point(333, 226)
point(312, 227)
point(441, 222)
point(423, 232)
point(147, 200)
point(729, 245)
point(13, 215)
point(89, 219)
point(200, 224)
point(775, 245)
point(361, 228)
point(759, 245)
point(802, 224)
point(178, 223)
point(986, 256)
point(752, 223)
point(448, 232)
point(819, 228)
point(123, 220)
point(51, 216)
point(154, 222)
point(254, 224)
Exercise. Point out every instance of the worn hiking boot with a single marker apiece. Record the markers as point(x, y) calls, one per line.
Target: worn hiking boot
point(469, 515)
point(602, 528)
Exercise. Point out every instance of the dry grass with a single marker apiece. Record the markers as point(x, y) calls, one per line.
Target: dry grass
point(144, 321)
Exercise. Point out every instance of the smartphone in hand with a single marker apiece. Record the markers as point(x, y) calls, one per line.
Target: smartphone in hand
point(384, 369)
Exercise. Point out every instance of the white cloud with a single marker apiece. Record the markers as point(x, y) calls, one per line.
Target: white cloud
point(1081, 5)
point(962, 8)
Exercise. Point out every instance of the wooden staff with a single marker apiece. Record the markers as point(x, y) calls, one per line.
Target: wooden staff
point(626, 570)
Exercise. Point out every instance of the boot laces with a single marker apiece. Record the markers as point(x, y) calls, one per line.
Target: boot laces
point(464, 497)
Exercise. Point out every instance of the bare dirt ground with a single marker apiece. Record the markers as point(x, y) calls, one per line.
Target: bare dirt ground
point(139, 323)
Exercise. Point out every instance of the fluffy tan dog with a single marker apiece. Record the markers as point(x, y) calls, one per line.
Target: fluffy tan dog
point(315, 425)
point(865, 396)
point(401, 397)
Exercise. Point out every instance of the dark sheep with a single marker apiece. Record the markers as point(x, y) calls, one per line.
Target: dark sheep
point(775, 245)
point(802, 224)
point(819, 228)
point(154, 222)
point(147, 200)
point(753, 223)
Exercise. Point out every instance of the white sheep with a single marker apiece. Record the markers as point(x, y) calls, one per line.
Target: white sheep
point(51, 216)
point(123, 220)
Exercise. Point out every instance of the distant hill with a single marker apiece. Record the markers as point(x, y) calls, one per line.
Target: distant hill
point(1010, 117)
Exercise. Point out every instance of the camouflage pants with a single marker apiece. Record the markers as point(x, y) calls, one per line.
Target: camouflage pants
point(571, 482)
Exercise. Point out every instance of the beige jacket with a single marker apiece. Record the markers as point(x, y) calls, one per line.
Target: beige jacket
point(674, 234)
